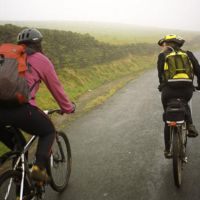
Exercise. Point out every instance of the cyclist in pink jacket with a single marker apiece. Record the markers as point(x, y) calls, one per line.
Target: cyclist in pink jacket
point(29, 117)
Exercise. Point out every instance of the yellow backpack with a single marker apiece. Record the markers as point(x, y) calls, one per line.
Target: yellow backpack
point(178, 67)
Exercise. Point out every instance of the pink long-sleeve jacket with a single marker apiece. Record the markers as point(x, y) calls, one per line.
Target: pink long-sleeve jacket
point(42, 69)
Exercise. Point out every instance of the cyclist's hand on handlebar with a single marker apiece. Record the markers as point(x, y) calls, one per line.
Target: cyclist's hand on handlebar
point(197, 87)
point(74, 107)
point(70, 111)
point(160, 88)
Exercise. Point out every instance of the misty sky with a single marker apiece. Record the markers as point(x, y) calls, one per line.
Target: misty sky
point(178, 14)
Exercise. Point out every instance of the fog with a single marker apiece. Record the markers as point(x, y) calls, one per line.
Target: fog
point(176, 14)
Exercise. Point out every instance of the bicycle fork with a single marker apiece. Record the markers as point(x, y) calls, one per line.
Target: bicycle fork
point(61, 150)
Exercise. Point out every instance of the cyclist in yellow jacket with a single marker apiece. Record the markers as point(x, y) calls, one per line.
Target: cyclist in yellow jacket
point(180, 87)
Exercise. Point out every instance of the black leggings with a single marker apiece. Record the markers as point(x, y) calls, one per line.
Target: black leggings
point(174, 93)
point(33, 121)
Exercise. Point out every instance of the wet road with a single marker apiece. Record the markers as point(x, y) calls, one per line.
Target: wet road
point(118, 150)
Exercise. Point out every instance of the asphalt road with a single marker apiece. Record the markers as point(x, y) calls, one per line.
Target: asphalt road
point(118, 150)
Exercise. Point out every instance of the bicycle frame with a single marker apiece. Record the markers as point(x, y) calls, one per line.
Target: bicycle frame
point(24, 167)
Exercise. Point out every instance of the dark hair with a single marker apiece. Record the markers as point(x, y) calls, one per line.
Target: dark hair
point(33, 47)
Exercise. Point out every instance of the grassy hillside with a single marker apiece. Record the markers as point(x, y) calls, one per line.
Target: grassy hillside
point(111, 32)
point(69, 49)
point(78, 81)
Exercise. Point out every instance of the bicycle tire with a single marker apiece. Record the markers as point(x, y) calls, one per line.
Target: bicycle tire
point(59, 170)
point(5, 179)
point(184, 141)
point(177, 162)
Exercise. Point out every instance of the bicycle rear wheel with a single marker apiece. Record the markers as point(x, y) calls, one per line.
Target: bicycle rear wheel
point(59, 167)
point(177, 161)
point(10, 183)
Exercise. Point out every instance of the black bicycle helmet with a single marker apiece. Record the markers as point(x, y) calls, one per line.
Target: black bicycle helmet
point(172, 38)
point(31, 35)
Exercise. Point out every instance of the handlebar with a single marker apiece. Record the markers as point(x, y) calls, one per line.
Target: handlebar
point(59, 111)
point(49, 112)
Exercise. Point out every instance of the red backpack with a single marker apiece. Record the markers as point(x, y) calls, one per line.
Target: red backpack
point(14, 89)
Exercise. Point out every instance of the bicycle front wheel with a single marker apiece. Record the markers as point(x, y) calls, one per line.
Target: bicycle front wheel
point(177, 162)
point(59, 167)
point(10, 185)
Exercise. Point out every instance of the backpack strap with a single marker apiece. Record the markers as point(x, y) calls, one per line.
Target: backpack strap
point(34, 84)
